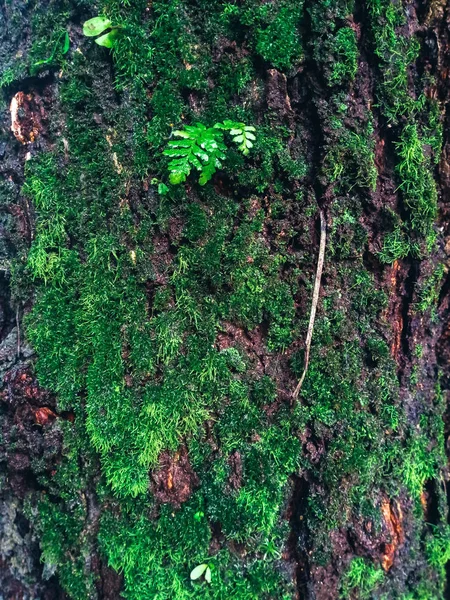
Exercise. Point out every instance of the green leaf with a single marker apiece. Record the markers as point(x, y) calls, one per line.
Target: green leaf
point(208, 575)
point(205, 177)
point(174, 152)
point(162, 189)
point(176, 177)
point(64, 50)
point(198, 571)
point(96, 26)
point(180, 143)
point(227, 124)
point(180, 133)
point(66, 44)
point(197, 164)
point(108, 39)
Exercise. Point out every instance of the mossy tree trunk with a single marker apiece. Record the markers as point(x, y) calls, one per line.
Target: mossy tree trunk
point(153, 334)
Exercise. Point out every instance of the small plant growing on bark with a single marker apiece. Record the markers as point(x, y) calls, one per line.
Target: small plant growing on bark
point(58, 47)
point(203, 569)
point(204, 149)
point(97, 26)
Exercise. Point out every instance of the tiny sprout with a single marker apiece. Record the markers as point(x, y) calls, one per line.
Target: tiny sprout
point(64, 48)
point(203, 569)
point(162, 187)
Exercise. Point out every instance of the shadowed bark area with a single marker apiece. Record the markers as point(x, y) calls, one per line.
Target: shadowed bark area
point(153, 331)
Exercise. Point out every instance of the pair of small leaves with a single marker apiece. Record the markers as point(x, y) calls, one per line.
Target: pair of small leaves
point(200, 570)
point(204, 149)
point(98, 25)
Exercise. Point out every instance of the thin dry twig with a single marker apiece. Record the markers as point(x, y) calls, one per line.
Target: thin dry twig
point(315, 300)
point(18, 331)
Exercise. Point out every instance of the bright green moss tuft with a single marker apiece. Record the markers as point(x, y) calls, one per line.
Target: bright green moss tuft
point(350, 160)
point(361, 578)
point(396, 245)
point(417, 184)
point(279, 42)
point(429, 291)
point(396, 52)
point(346, 51)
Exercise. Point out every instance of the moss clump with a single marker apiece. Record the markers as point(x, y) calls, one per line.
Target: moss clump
point(276, 33)
point(346, 51)
point(417, 184)
point(361, 578)
point(429, 290)
point(350, 161)
point(397, 52)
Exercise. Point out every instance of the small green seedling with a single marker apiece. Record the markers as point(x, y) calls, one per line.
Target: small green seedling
point(64, 49)
point(98, 25)
point(204, 149)
point(203, 569)
point(162, 187)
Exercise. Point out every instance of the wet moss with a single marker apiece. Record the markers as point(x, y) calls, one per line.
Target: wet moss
point(397, 53)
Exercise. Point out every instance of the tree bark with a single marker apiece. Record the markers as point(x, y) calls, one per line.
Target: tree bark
point(183, 384)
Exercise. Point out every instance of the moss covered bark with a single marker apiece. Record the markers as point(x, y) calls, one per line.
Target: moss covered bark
point(168, 321)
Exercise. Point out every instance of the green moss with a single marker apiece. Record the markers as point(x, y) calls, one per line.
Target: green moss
point(346, 51)
point(396, 52)
point(362, 578)
point(61, 515)
point(429, 290)
point(61, 533)
point(279, 42)
point(334, 46)
point(417, 184)
point(157, 315)
point(350, 161)
point(397, 245)
point(438, 546)
point(276, 34)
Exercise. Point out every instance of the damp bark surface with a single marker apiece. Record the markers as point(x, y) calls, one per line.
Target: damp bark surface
point(153, 334)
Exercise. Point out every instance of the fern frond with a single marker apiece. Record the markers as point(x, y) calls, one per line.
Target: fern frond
point(242, 134)
point(204, 149)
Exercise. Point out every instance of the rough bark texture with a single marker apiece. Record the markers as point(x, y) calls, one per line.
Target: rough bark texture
point(152, 335)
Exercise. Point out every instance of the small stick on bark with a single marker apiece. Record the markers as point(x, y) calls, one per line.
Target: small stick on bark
point(315, 300)
point(18, 331)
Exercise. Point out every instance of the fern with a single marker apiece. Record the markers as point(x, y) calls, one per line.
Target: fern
point(203, 148)
point(242, 134)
